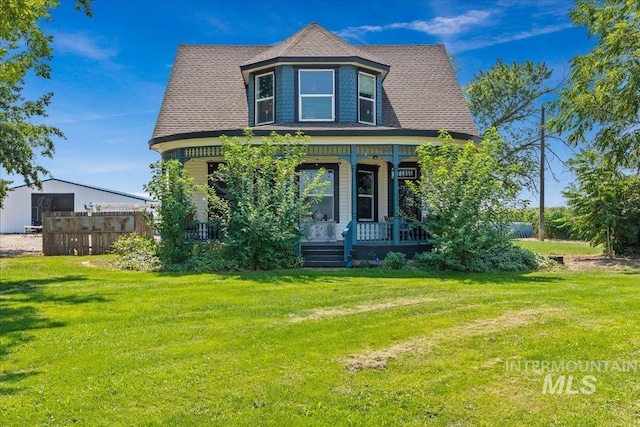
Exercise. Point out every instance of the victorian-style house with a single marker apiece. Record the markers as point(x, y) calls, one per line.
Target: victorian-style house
point(365, 107)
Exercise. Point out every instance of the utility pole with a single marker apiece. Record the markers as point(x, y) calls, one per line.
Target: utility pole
point(542, 161)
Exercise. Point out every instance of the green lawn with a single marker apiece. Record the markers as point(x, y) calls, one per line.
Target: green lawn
point(558, 247)
point(80, 344)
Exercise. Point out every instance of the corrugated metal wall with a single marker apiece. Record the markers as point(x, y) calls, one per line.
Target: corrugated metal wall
point(17, 206)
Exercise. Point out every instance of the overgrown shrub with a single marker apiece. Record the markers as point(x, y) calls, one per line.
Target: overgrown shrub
point(498, 258)
point(395, 261)
point(171, 185)
point(605, 199)
point(466, 193)
point(210, 257)
point(262, 212)
point(136, 253)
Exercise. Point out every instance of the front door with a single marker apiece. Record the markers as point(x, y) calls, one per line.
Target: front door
point(367, 193)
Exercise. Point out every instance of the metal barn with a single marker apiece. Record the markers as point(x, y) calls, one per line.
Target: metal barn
point(24, 205)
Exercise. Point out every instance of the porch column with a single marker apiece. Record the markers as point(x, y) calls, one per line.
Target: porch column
point(396, 198)
point(354, 194)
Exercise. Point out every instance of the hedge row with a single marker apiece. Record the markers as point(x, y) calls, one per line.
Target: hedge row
point(554, 218)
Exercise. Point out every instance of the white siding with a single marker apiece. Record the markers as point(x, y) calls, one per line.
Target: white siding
point(383, 191)
point(345, 197)
point(17, 206)
point(197, 169)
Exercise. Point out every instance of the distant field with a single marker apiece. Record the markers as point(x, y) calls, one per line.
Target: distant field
point(84, 345)
point(558, 247)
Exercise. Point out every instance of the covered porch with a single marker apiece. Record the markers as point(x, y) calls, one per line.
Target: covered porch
point(365, 210)
point(369, 211)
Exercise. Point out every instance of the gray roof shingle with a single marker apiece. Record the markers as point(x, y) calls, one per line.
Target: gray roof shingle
point(206, 92)
point(312, 41)
point(421, 90)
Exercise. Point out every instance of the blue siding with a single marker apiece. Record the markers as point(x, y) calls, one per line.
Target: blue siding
point(285, 94)
point(378, 99)
point(251, 100)
point(347, 94)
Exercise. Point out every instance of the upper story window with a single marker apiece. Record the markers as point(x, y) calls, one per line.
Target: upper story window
point(316, 95)
point(366, 98)
point(264, 99)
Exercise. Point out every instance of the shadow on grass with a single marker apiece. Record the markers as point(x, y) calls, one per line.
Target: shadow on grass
point(336, 276)
point(34, 291)
point(9, 381)
point(19, 314)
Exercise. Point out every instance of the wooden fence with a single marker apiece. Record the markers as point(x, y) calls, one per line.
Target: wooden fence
point(78, 233)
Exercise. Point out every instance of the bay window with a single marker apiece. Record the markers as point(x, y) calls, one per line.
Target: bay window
point(316, 91)
point(366, 98)
point(324, 208)
point(264, 99)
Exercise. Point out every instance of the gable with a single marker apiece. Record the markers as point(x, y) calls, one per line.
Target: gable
point(207, 94)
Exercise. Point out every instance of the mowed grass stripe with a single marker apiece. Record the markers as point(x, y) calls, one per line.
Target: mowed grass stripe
point(378, 359)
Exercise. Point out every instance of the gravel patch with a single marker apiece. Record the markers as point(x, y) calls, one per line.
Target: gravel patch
point(20, 244)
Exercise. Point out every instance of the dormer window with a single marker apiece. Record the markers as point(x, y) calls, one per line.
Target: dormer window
point(264, 99)
point(316, 95)
point(366, 98)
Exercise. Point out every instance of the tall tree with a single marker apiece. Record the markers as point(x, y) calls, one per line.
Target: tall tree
point(603, 91)
point(507, 97)
point(25, 48)
point(605, 204)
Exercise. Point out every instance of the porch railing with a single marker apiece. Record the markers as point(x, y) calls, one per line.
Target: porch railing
point(347, 234)
point(205, 231)
point(412, 233)
point(366, 232)
point(382, 232)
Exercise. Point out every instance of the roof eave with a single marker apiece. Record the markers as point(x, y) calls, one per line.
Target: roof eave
point(308, 60)
point(430, 133)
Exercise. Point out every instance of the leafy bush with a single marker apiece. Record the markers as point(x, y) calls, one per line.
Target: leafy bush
point(467, 193)
point(210, 257)
point(262, 212)
point(171, 185)
point(554, 224)
point(395, 261)
point(136, 253)
point(606, 203)
point(498, 258)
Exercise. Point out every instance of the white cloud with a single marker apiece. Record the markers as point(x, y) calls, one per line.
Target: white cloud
point(478, 43)
point(439, 26)
point(220, 25)
point(357, 33)
point(446, 27)
point(82, 45)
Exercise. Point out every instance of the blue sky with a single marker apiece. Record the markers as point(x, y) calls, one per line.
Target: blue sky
point(110, 71)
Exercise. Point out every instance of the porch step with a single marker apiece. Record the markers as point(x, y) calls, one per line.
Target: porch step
point(323, 254)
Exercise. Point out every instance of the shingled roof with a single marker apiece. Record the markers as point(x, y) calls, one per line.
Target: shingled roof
point(316, 43)
point(207, 96)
